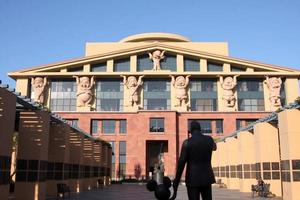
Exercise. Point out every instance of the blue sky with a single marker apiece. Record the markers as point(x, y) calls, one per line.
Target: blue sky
point(36, 32)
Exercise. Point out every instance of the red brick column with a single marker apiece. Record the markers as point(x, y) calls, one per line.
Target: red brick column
point(7, 125)
point(32, 155)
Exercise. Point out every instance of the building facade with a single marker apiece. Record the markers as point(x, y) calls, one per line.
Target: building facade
point(141, 93)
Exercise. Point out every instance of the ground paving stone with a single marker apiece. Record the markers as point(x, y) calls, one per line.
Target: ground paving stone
point(139, 192)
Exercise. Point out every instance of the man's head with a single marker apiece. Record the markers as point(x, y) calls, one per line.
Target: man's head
point(195, 126)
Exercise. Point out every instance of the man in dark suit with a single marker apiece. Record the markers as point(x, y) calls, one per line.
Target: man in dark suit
point(196, 152)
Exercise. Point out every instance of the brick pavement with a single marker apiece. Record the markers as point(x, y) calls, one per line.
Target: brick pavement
point(139, 192)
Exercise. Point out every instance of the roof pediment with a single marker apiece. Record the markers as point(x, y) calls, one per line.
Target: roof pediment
point(148, 47)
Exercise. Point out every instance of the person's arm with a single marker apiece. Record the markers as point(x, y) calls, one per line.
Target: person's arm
point(181, 163)
point(214, 145)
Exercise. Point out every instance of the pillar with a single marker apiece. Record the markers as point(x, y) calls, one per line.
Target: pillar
point(7, 126)
point(22, 85)
point(215, 162)
point(104, 163)
point(289, 134)
point(246, 159)
point(291, 87)
point(96, 163)
point(267, 155)
point(232, 143)
point(58, 157)
point(222, 161)
point(88, 162)
point(76, 160)
point(109, 159)
point(32, 155)
point(180, 63)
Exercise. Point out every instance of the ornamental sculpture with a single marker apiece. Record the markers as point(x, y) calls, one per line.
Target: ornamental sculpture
point(228, 84)
point(133, 86)
point(180, 84)
point(274, 86)
point(84, 90)
point(156, 56)
point(38, 86)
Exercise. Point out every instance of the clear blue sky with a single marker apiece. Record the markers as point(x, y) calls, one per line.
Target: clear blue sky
point(36, 32)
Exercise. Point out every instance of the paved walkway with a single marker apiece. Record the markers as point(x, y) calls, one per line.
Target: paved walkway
point(139, 192)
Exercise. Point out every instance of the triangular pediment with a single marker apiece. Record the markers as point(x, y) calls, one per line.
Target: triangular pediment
point(77, 65)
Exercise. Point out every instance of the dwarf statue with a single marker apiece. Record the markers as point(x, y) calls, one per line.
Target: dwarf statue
point(180, 84)
point(228, 84)
point(274, 86)
point(133, 86)
point(84, 90)
point(38, 86)
point(156, 56)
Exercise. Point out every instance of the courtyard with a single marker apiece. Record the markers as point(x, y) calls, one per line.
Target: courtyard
point(133, 191)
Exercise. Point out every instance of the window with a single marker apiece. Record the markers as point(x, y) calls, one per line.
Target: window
point(75, 69)
point(251, 85)
point(73, 122)
point(203, 95)
point(123, 126)
point(113, 160)
point(204, 104)
point(122, 65)
point(250, 95)
point(251, 104)
point(219, 126)
point(157, 125)
point(244, 122)
point(122, 159)
point(209, 126)
point(157, 94)
point(63, 95)
point(108, 126)
point(98, 67)
point(191, 64)
point(109, 95)
point(169, 63)
point(237, 69)
point(94, 125)
point(214, 67)
point(144, 63)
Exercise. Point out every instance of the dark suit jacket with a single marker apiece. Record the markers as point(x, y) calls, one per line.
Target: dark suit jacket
point(196, 152)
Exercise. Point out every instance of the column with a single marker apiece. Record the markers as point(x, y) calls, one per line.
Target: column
point(203, 65)
point(96, 163)
point(133, 63)
point(104, 163)
point(180, 63)
point(289, 135)
point(246, 159)
point(267, 154)
point(233, 162)
point(32, 155)
point(291, 87)
point(76, 160)
point(222, 161)
point(58, 157)
point(88, 162)
point(7, 127)
point(22, 86)
point(110, 65)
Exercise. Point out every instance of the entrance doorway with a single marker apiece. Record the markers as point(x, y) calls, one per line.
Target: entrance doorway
point(153, 148)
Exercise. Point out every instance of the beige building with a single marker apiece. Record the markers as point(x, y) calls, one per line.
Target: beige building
point(141, 92)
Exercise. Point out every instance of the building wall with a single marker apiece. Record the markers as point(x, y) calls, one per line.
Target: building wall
point(138, 132)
